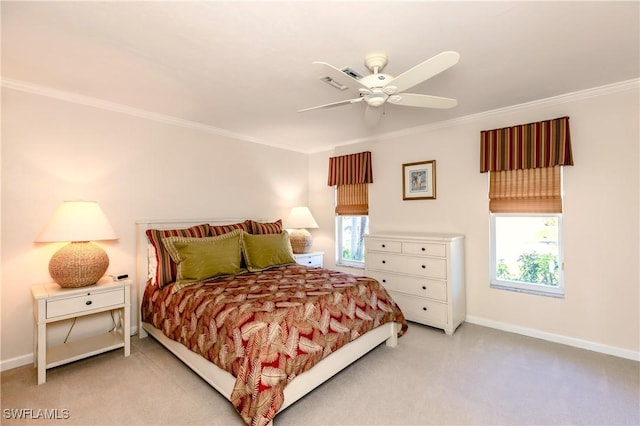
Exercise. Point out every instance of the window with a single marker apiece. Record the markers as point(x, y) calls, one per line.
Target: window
point(526, 253)
point(350, 231)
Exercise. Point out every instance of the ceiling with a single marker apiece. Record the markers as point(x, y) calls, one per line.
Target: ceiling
point(244, 68)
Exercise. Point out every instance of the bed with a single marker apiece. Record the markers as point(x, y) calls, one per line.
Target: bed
point(263, 331)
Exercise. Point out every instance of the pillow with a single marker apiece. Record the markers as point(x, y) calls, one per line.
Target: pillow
point(216, 230)
point(199, 259)
point(258, 228)
point(264, 251)
point(166, 268)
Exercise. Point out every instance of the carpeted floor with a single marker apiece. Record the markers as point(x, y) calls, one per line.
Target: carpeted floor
point(477, 376)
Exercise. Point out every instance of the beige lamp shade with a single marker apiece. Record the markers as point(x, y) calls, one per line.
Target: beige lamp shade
point(298, 220)
point(81, 262)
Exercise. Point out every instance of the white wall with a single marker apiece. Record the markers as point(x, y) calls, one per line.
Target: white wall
point(54, 150)
point(601, 216)
point(136, 169)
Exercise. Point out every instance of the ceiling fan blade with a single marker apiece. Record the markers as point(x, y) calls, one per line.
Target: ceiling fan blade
point(373, 115)
point(422, 101)
point(424, 71)
point(333, 104)
point(327, 70)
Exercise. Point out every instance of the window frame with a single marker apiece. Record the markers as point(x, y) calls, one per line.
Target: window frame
point(538, 289)
point(340, 261)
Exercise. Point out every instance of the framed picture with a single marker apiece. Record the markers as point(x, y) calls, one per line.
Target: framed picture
point(419, 180)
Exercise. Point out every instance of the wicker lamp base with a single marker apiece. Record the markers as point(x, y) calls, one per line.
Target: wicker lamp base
point(301, 241)
point(78, 264)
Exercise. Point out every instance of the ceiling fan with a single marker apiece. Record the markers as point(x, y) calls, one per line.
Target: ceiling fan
point(377, 89)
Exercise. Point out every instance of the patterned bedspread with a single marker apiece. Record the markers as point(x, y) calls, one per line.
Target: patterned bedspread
point(267, 327)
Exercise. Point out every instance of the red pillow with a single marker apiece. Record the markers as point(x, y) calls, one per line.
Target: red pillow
point(217, 230)
point(258, 228)
point(167, 270)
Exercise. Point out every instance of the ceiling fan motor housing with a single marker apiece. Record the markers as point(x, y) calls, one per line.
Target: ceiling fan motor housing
point(375, 62)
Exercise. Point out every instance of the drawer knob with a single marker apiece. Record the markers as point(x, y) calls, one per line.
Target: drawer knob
point(383, 246)
point(424, 267)
point(424, 287)
point(384, 281)
point(384, 261)
point(424, 308)
point(88, 302)
point(423, 249)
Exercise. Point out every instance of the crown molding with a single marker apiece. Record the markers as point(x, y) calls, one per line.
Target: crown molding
point(633, 84)
point(167, 119)
point(75, 98)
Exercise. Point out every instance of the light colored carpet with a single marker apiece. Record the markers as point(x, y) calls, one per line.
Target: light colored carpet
point(477, 376)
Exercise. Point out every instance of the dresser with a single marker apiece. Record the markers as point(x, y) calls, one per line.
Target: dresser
point(423, 272)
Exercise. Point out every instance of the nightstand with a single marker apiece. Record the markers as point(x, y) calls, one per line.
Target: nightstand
point(310, 259)
point(53, 303)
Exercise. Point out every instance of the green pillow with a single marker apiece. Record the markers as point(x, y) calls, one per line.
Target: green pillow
point(266, 250)
point(201, 258)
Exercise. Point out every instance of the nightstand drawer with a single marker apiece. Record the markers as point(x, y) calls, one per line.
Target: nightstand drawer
point(85, 302)
point(310, 259)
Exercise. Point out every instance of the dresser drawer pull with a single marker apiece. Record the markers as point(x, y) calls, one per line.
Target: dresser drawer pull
point(88, 302)
point(384, 261)
point(424, 308)
point(424, 287)
point(423, 249)
point(384, 281)
point(384, 245)
point(424, 267)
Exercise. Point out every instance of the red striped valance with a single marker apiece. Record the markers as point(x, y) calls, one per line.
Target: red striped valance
point(350, 169)
point(528, 146)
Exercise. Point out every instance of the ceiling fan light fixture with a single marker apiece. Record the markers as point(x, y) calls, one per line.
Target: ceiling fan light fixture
point(376, 99)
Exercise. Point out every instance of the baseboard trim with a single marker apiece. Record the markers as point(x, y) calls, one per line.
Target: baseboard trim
point(19, 361)
point(556, 338)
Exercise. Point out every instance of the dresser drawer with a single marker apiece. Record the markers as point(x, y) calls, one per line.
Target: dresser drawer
point(389, 246)
point(421, 310)
point(422, 287)
point(412, 265)
point(425, 249)
point(84, 302)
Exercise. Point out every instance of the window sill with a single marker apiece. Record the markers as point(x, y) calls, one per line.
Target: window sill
point(350, 265)
point(537, 292)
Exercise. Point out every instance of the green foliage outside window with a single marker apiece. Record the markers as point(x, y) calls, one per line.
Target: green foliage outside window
point(534, 267)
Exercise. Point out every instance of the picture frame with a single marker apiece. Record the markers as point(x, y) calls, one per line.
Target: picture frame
point(419, 180)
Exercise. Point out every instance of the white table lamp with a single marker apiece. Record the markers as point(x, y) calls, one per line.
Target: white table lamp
point(299, 219)
point(81, 262)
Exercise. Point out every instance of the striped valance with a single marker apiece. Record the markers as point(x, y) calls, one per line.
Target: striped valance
point(528, 146)
point(350, 169)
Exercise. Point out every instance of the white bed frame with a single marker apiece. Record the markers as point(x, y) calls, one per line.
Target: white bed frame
point(222, 380)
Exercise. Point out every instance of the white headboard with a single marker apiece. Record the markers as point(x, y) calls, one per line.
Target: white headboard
point(142, 257)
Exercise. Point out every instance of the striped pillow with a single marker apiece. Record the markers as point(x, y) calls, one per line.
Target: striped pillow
point(217, 230)
point(166, 270)
point(258, 228)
